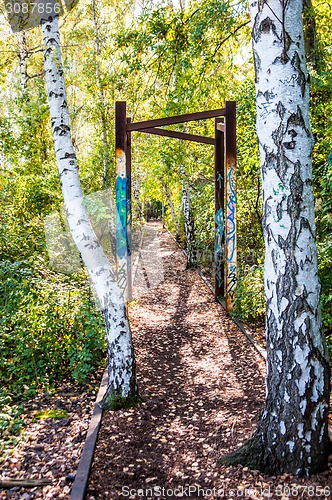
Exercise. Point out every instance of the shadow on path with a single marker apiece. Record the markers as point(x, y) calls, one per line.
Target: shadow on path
point(202, 385)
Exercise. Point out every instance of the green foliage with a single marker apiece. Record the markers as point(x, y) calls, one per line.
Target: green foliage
point(11, 422)
point(49, 328)
point(25, 199)
point(324, 261)
point(250, 301)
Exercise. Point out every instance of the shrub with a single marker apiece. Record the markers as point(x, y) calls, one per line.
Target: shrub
point(49, 328)
point(250, 301)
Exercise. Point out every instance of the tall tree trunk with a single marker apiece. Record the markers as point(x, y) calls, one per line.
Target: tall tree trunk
point(122, 386)
point(102, 100)
point(292, 434)
point(310, 33)
point(173, 213)
point(23, 57)
point(189, 224)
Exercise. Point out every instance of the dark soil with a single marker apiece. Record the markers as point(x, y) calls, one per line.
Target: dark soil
point(50, 448)
point(203, 386)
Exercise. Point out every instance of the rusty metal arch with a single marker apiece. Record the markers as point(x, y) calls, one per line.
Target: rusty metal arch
point(224, 142)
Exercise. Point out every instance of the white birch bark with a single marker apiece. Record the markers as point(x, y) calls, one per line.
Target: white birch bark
point(292, 435)
point(189, 225)
point(23, 57)
point(121, 362)
point(173, 213)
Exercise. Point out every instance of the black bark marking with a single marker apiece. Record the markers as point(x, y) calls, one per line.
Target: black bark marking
point(296, 192)
point(267, 95)
point(297, 120)
point(281, 109)
point(266, 25)
point(68, 155)
point(62, 129)
point(274, 260)
point(301, 78)
point(279, 208)
point(257, 65)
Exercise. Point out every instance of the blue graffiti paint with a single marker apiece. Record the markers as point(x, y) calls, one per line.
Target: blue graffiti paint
point(128, 214)
point(218, 246)
point(231, 222)
point(121, 216)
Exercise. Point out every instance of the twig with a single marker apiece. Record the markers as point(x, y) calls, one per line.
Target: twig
point(26, 483)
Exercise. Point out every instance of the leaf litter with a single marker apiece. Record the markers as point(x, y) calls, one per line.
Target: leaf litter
point(203, 386)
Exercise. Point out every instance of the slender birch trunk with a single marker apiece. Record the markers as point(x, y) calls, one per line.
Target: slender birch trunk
point(189, 224)
point(102, 99)
point(23, 57)
point(292, 434)
point(122, 386)
point(173, 214)
point(310, 39)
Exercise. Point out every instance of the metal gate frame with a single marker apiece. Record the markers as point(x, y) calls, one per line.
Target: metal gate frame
point(224, 142)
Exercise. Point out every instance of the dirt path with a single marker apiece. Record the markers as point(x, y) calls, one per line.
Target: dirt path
point(203, 388)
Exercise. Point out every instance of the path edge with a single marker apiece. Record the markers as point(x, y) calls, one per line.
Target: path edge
point(84, 466)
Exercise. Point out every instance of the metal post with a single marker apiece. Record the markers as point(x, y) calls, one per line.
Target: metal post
point(230, 192)
point(219, 182)
point(129, 217)
point(121, 195)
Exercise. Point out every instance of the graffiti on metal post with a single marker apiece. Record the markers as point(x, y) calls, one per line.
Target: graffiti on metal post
point(231, 251)
point(218, 246)
point(121, 216)
point(231, 221)
point(219, 180)
point(122, 277)
point(128, 213)
point(231, 280)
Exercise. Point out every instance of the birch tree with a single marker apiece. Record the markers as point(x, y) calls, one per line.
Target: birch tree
point(292, 433)
point(102, 97)
point(122, 387)
point(189, 223)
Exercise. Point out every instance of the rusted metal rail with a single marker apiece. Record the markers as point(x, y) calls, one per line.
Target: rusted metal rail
point(83, 471)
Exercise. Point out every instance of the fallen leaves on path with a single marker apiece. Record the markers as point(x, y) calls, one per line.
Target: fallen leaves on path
point(203, 386)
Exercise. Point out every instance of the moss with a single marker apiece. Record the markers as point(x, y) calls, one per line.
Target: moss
point(51, 414)
point(250, 455)
point(116, 401)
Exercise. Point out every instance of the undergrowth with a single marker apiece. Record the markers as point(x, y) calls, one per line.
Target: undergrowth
point(250, 302)
point(50, 330)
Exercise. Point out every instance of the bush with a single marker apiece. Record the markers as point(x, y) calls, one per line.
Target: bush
point(10, 421)
point(49, 328)
point(324, 264)
point(250, 301)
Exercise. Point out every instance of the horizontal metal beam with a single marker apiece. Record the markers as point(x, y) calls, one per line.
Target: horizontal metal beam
point(203, 115)
point(178, 135)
